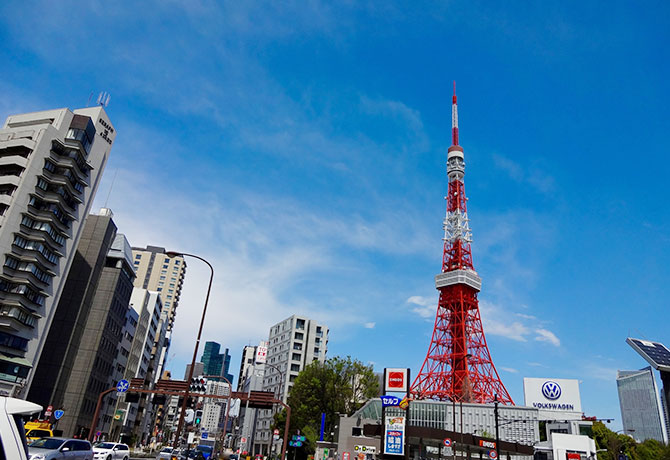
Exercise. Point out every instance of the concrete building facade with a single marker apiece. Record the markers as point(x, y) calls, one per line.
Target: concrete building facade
point(148, 306)
point(82, 345)
point(156, 271)
point(292, 344)
point(51, 164)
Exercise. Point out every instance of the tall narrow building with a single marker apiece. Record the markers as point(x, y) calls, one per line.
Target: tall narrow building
point(641, 411)
point(292, 344)
point(81, 351)
point(51, 164)
point(156, 271)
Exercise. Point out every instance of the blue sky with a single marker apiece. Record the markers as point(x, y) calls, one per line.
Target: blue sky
point(303, 146)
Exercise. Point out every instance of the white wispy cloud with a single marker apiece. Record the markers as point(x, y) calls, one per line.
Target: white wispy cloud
point(544, 335)
point(509, 369)
point(370, 325)
point(423, 306)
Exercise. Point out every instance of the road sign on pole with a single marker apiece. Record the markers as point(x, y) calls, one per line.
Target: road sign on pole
point(122, 386)
point(493, 454)
point(447, 442)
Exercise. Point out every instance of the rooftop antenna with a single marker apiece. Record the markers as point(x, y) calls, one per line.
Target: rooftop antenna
point(103, 99)
point(111, 186)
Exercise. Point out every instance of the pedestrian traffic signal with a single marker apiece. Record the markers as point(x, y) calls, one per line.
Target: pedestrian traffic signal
point(198, 417)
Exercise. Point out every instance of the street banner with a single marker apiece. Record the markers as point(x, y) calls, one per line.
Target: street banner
point(394, 436)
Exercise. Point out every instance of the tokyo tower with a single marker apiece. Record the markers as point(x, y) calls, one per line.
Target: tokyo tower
point(458, 366)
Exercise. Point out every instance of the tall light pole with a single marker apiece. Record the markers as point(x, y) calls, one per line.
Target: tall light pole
point(197, 343)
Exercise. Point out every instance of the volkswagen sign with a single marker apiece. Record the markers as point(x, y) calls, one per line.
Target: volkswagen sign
point(552, 396)
point(551, 390)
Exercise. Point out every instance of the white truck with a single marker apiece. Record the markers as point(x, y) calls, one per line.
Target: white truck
point(13, 444)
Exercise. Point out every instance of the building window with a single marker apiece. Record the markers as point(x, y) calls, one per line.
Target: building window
point(300, 324)
point(297, 346)
point(295, 367)
point(295, 357)
point(299, 335)
point(138, 256)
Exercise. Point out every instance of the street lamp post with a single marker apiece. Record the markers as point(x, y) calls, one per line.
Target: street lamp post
point(197, 343)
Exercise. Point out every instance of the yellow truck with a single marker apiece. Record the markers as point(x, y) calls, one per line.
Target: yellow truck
point(38, 429)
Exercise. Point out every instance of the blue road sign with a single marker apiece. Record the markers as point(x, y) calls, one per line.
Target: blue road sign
point(388, 400)
point(204, 435)
point(58, 414)
point(122, 386)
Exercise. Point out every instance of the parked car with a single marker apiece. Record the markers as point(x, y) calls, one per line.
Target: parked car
point(165, 454)
point(111, 451)
point(14, 443)
point(190, 454)
point(60, 448)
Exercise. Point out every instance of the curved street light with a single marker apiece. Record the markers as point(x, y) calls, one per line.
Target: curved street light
point(197, 343)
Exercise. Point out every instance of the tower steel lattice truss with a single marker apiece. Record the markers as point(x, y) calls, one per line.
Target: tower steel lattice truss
point(458, 366)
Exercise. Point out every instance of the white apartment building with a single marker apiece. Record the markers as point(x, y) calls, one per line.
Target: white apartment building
point(51, 163)
point(292, 344)
point(148, 306)
point(214, 410)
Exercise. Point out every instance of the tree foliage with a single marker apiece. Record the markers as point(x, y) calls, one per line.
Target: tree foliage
point(338, 386)
point(616, 443)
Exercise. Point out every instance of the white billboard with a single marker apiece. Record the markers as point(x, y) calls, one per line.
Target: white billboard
point(555, 395)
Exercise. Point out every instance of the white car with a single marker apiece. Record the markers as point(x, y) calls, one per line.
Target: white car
point(12, 434)
point(111, 451)
point(165, 454)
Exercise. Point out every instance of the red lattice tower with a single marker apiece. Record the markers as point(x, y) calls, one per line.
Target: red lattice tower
point(458, 366)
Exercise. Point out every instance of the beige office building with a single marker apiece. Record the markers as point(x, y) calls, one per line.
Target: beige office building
point(156, 271)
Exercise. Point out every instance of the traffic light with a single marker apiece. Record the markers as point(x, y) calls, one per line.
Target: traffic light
point(198, 385)
point(198, 417)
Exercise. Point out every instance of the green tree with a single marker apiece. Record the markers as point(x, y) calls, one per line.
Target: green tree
point(338, 386)
point(616, 443)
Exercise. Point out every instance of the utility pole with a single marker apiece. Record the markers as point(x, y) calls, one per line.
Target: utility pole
point(495, 413)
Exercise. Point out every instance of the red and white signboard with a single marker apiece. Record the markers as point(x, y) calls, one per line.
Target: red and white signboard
point(447, 442)
point(276, 431)
point(396, 380)
point(243, 440)
point(49, 411)
point(345, 455)
point(261, 352)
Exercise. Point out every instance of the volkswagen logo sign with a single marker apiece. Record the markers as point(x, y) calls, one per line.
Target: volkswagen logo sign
point(551, 390)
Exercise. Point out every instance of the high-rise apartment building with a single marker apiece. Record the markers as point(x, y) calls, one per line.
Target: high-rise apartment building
point(135, 419)
point(641, 411)
point(247, 361)
point(82, 350)
point(156, 271)
point(292, 344)
point(51, 163)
